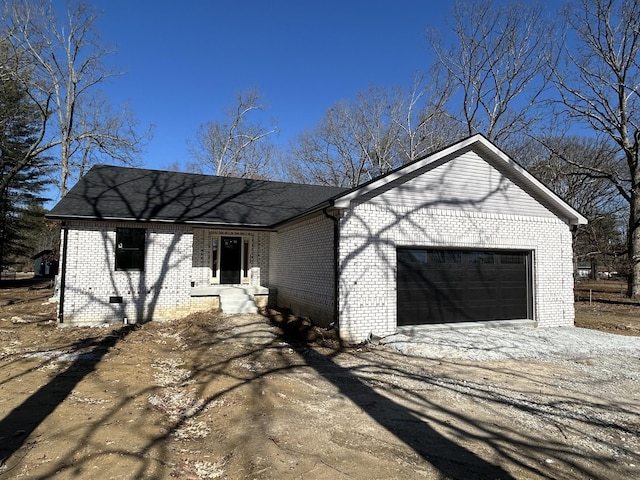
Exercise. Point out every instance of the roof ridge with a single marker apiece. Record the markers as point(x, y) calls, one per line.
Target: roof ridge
point(209, 175)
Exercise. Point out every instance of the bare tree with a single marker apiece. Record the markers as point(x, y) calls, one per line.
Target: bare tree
point(62, 68)
point(561, 166)
point(496, 65)
point(353, 142)
point(424, 124)
point(234, 146)
point(321, 155)
point(601, 88)
point(378, 131)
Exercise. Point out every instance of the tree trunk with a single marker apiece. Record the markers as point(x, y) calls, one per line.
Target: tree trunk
point(64, 167)
point(634, 240)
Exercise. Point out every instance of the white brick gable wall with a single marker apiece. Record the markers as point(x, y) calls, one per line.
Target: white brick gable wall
point(370, 234)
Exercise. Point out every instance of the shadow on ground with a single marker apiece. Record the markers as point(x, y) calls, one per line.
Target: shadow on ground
point(240, 397)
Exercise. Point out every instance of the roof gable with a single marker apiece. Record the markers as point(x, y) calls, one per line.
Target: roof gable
point(119, 193)
point(511, 177)
point(466, 182)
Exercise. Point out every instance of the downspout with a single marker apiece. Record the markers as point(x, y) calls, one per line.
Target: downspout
point(63, 273)
point(336, 270)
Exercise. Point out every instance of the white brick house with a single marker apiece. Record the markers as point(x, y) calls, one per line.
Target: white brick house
point(463, 235)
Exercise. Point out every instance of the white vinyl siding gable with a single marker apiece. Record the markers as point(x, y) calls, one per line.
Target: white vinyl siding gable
point(466, 183)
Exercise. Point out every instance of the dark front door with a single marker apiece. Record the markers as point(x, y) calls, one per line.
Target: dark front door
point(230, 259)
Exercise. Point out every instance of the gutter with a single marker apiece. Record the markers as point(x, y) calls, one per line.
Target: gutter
point(336, 269)
point(63, 273)
point(195, 223)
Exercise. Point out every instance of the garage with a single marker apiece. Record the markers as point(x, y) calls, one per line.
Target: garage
point(447, 285)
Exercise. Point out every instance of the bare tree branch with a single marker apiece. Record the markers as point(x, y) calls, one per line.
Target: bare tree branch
point(496, 66)
point(234, 146)
point(64, 65)
point(600, 87)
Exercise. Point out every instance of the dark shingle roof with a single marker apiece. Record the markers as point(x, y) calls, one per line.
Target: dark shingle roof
point(108, 192)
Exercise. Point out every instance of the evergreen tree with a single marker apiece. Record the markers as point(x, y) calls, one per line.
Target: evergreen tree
point(31, 233)
point(22, 175)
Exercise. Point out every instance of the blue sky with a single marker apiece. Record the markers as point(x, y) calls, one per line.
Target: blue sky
point(184, 61)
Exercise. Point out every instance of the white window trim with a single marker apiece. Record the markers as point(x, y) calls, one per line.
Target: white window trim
point(215, 272)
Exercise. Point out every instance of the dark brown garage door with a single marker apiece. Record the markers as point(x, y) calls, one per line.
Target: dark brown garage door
point(442, 286)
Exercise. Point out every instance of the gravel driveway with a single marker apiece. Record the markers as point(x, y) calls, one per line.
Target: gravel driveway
point(573, 390)
point(485, 344)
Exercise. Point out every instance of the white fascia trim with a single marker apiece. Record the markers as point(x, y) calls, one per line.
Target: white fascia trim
point(574, 217)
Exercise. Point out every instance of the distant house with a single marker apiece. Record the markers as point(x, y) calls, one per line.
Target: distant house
point(45, 264)
point(462, 235)
point(594, 271)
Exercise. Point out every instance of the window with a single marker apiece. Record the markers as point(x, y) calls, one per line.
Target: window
point(214, 258)
point(130, 248)
point(445, 256)
point(480, 257)
point(245, 259)
point(408, 256)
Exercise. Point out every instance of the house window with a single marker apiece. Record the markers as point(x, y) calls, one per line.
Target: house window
point(130, 245)
point(214, 259)
point(245, 260)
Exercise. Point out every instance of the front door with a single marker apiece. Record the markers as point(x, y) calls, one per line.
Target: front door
point(230, 259)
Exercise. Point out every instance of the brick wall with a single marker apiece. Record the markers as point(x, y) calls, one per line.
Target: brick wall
point(301, 268)
point(161, 291)
point(371, 233)
point(298, 262)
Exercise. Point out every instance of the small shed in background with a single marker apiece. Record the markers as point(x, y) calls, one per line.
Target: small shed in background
point(45, 264)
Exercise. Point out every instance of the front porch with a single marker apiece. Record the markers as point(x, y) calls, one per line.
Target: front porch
point(231, 299)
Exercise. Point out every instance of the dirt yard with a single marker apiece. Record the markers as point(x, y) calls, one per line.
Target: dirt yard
point(210, 397)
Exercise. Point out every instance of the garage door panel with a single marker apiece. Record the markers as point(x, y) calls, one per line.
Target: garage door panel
point(442, 286)
point(419, 314)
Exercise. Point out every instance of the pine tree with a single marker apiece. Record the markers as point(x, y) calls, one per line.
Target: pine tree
point(22, 176)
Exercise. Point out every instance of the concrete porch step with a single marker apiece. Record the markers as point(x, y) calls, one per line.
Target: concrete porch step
point(233, 298)
point(237, 301)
